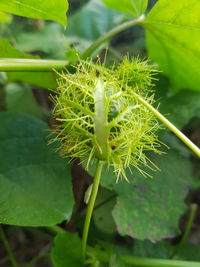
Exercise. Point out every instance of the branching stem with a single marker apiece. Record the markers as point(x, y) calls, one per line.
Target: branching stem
point(93, 196)
point(169, 125)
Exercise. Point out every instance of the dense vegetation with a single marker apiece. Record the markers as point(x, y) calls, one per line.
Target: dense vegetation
point(108, 93)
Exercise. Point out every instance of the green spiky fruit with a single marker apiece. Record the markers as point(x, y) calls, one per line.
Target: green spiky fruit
point(100, 116)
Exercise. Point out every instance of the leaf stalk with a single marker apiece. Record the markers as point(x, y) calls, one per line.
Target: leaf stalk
point(170, 126)
point(33, 65)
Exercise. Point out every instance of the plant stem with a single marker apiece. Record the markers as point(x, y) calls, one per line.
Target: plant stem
point(171, 126)
point(7, 248)
point(104, 257)
point(193, 211)
point(110, 34)
point(151, 262)
point(21, 64)
point(93, 196)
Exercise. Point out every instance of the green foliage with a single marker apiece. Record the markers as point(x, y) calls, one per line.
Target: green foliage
point(147, 219)
point(5, 18)
point(49, 40)
point(35, 186)
point(37, 9)
point(100, 117)
point(102, 217)
point(67, 251)
point(133, 7)
point(153, 250)
point(181, 107)
point(172, 28)
point(90, 22)
point(189, 252)
point(19, 98)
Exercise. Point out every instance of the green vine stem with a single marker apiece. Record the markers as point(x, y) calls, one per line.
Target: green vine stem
point(151, 262)
point(7, 248)
point(171, 126)
point(104, 257)
point(93, 196)
point(108, 35)
point(193, 212)
point(21, 64)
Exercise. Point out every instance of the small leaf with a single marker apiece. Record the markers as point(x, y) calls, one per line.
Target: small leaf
point(172, 31)
point(67, 251)
point(35, 183)
point(37, 9)
point(133, 7)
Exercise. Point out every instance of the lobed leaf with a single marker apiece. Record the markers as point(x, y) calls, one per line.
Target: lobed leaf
point(172, 31)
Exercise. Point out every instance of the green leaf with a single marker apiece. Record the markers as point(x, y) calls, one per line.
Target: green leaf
point(172, 31)
point(67, 251)
point(49, 40)
point(37, 9)
point(150, 211)
point(42, 79)
point(152, 250)
point(35, 183)
point(90, 22)
point(5, 18)
point(181, 107)
point(102, 217)
point(137, 212)
point(19, 98)
point(133, 7)
point(189, 252)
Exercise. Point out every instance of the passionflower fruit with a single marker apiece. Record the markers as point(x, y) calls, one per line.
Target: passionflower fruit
point(101, 118)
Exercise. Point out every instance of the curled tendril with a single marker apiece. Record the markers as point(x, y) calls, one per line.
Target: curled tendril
point(101, 118)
